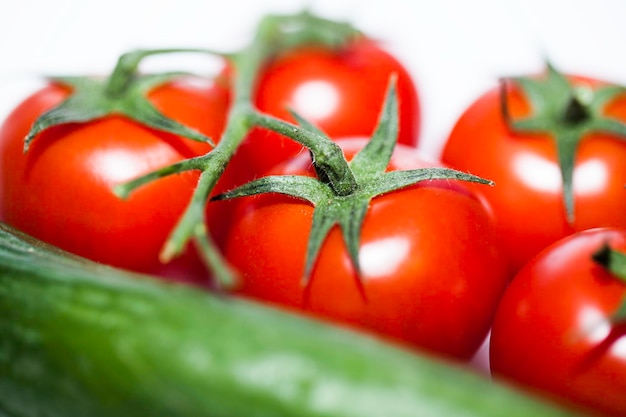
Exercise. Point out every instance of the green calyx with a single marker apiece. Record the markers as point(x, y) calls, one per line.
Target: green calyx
point(291, 31)
point(367, 170)
point(123, 93)
point(568, 113)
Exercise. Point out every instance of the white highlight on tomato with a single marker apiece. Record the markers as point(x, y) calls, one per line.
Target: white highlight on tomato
point(383, 257)
point(618, 347)
point(544, 175)
point(537, 173)
point(114, 167)
point(591, 177)
point(118, 166)
point(316, 99)
point(594, 324)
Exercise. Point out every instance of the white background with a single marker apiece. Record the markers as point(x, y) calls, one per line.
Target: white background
point(456, 49)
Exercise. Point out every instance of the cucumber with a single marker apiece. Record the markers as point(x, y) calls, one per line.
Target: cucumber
point(85, 340)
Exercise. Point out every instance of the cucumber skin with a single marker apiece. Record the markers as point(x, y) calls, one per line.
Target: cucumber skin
point(80, 339)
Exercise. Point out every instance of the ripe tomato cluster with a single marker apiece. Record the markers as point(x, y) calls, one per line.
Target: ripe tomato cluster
point(415, 250)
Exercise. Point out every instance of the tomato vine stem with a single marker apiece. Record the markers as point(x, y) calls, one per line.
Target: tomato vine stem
point(125, 71)
point(275, 33)
point(328, 156)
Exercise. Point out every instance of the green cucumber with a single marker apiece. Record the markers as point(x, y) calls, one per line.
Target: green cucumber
point(82, 339)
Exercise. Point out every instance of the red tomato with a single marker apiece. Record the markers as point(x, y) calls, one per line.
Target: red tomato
point(527, 200)
point(339, 92)
point(431, 275)
point(61, 190)
point(552, 331)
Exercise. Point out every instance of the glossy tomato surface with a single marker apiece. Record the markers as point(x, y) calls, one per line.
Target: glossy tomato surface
point(341, 92)
point(431, 274)
point(552, 331)
point(528, 197)
point(61, 190)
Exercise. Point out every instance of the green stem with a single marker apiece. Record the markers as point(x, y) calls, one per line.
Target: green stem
point(245, 66)
point(211, 255)
point(127, 65)
point(123, 190)
point(328, 155)
point(187, 226)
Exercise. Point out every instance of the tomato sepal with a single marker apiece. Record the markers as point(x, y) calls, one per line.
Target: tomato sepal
point(305, 28)
point(89, 101)
point(368, 168)
point(566, 112)
point(123, 92)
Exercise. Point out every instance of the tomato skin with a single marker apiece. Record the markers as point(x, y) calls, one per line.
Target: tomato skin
point(528, 183)
point(552, 331)
point(339, 92)
point(61, 190)
point(431, 279)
